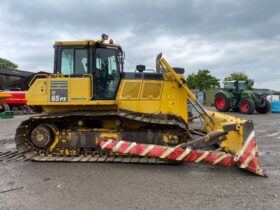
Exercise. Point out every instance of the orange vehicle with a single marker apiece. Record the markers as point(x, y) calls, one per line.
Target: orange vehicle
point(4, 96)
point(16, 101)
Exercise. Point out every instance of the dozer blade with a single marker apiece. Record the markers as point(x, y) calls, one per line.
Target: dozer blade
point(240, 140)
point(168, 153)
point(247, 159)
point(248, 156)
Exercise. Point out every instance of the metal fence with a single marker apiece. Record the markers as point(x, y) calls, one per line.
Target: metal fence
point(209, 96)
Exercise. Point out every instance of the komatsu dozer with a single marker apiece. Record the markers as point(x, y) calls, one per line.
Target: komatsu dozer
point(96, 112)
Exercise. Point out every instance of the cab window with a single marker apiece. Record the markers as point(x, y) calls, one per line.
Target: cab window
point(67, 61)
point(74, 61)
point(229, 85)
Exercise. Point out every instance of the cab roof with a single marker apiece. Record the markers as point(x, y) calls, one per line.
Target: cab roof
point(84, 43)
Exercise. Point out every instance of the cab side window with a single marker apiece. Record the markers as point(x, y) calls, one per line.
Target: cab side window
point(74, 61)
point(67, 61)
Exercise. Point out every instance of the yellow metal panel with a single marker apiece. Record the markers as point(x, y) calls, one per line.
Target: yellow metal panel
point(151, 90)
point(234, 139)
point(80, 89)
point(171, 100)
point(174, 100)
point(37, 93)
point(142, 106)
point(83, 43)
point(130, 89)
point(73, 106)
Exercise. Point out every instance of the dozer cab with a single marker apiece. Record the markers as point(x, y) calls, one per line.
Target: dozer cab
point(238, 97)
point(96, 112)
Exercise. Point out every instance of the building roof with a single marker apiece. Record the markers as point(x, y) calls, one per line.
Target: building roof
point(22, 83)
point(15, 72)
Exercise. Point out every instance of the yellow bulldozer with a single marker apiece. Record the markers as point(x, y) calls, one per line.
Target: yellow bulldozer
point(96, 112)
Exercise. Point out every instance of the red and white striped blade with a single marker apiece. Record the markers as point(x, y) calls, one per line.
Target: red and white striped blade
point(169, 153)
point(248, 157)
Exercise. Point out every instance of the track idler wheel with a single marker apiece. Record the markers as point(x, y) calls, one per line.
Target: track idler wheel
point(42, 136)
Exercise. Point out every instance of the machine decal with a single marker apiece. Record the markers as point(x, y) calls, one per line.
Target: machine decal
point(59, 91)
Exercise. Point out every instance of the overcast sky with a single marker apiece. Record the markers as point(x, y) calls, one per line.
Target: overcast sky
point(223, 36)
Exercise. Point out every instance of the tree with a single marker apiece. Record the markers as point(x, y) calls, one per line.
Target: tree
point(240, 76)
point(4, 63)
point(202, 80)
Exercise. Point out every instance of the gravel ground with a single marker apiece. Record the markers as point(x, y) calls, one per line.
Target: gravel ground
point(35, 185)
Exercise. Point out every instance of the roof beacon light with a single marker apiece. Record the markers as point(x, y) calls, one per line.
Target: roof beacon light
point(104, 36)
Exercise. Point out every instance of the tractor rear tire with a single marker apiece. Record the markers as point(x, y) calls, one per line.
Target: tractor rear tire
point(246, 106)
point(265, 109)
point(222, 103)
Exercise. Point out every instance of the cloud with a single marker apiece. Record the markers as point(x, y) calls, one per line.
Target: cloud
point(223, 36)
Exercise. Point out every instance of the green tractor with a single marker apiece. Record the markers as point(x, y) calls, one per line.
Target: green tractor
point(238, 97)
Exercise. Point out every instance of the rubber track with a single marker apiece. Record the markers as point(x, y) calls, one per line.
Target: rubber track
point(102, 156)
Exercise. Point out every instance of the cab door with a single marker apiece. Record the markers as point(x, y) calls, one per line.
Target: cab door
point(106, 74)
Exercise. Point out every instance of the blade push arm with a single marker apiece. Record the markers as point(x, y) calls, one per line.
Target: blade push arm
point(182, 83)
